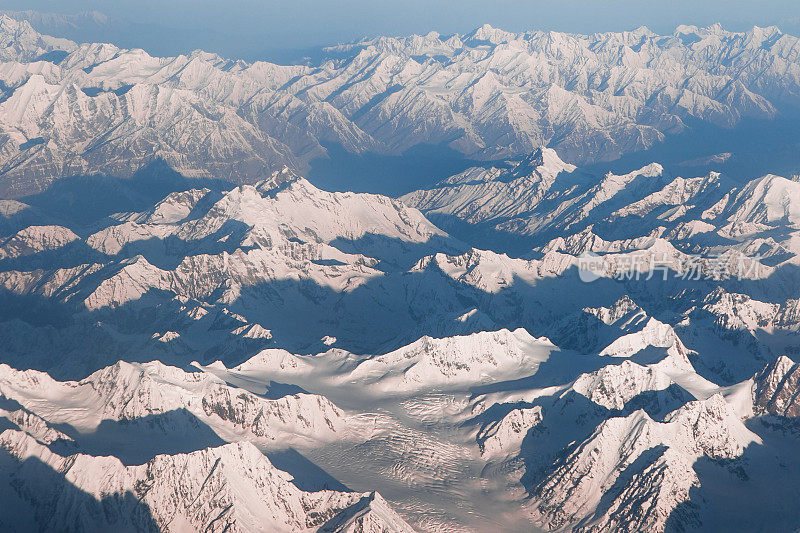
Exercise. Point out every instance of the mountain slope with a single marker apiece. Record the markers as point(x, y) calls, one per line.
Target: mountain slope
point(230, 488)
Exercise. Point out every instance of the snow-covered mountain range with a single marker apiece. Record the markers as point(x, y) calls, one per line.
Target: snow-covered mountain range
point(69, 108)
point(526, 345)
point(557, 207)
point(277, 338)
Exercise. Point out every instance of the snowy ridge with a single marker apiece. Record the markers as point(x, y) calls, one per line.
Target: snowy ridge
point(775, 389)
point(20, 42)
point(35, 426)
point(505, 436)
point(613, 386)
point(657, 455)
point(423, 365)
point(130, 392)
point(671, 216)
point(456, 360)
point(654, 333)
point(518, 198)
point(35, 239)
point(281, 228)
point(740, 312)
point(230, 488)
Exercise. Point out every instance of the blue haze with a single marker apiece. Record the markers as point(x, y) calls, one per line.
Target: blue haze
point(286, 30)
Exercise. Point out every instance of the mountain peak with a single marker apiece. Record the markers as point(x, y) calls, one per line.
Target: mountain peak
point(545, 161)
point(776, 387)
point(19, 41)
point(488, 34)
point(277, 181)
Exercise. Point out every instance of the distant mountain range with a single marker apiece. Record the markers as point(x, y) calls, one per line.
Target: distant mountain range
point(69, 109)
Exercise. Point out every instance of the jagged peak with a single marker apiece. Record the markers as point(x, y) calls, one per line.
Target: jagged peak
point(173, 208)
point(545, 161)
point(688, 29)
point(621, 308)
point(487, 33)
point(776, 370)
point(766, 200)
point(278, 180)
point(651, 170)
point(10, 24)
point(716, 429)
point(643, 31)
point(783, 362)
point(614, 385)
point(763, 33)
point(654, 333)
point(775, 388)
point(21, 42)
point(142, 374)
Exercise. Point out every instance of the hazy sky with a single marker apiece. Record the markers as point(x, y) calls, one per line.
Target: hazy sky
point(260, 28)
